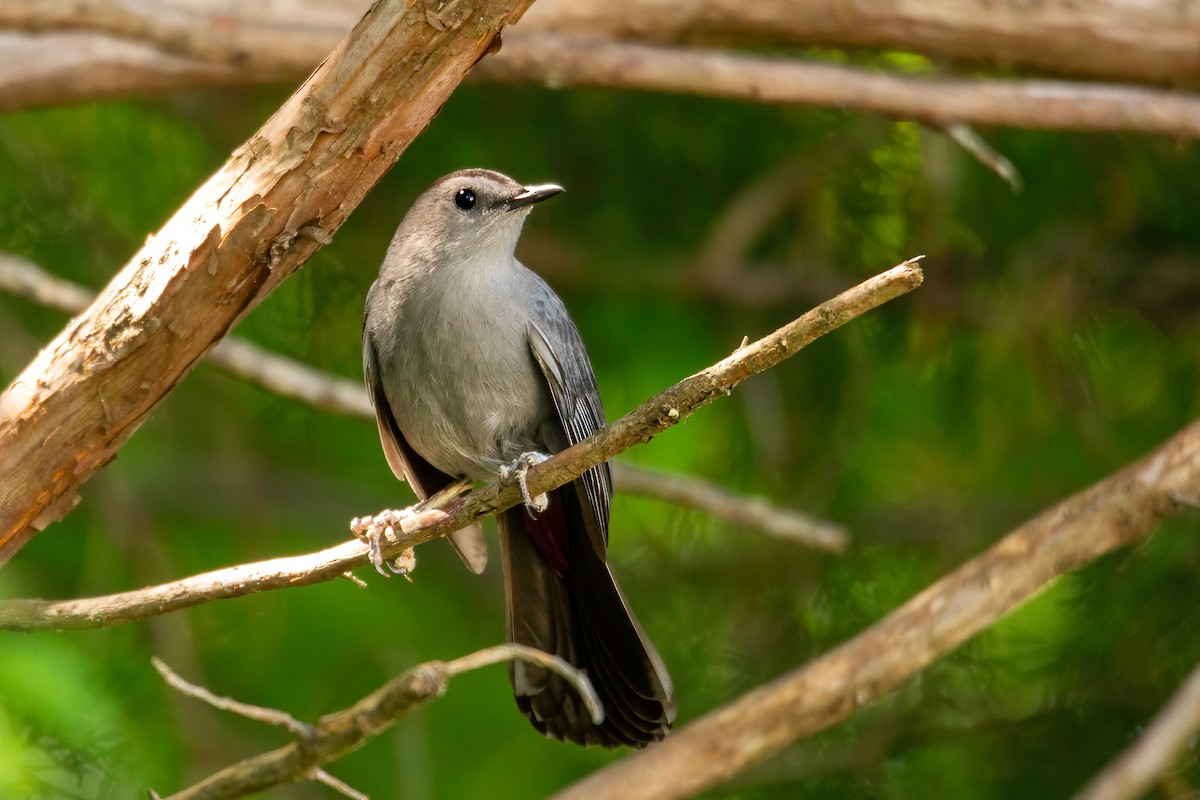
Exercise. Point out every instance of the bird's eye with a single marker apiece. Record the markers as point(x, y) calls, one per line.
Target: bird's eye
point(464, 199)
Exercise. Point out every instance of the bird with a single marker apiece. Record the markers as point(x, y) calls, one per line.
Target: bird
point(476, 370)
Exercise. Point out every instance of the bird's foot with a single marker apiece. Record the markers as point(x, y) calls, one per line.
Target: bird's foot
point(384, 527)
point(516, 472)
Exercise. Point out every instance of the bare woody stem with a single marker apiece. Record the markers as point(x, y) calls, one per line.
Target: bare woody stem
point(425, 523)
point(1144, 42)
point(565, 60)
point(290, 378)
point(1134, 772)
point(37, 72)
point(1117, 510)
point(254, 223)
point(338, 734)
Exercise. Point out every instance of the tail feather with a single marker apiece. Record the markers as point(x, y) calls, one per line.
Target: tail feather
point(581, 617)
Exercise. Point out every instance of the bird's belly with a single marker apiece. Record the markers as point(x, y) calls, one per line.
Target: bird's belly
point(469, 417)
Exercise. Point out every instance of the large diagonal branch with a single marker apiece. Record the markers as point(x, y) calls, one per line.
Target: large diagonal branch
point(249, 227)
point(1119, 509)
point(446, 514)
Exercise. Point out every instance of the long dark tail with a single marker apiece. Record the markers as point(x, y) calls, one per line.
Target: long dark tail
point(574, 609)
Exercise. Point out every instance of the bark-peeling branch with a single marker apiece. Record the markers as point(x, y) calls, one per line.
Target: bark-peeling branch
point(256, 221)
point(290, 378)
point(338, 734)
point(1117, 510)
point(429, 521)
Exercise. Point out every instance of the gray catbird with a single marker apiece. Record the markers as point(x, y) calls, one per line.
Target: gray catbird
point(474, 368)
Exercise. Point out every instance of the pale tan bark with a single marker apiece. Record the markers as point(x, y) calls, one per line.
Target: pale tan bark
point(244, 231)
point(1138, 40)
point(1035, 104)
point(1135, 40)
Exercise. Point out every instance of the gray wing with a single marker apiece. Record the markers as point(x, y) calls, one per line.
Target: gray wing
point(560, 353)
point(423, 477)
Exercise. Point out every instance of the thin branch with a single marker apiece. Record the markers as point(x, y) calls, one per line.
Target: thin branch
point(426, 522)
point(269, 716)
point(1136, 770)
point(338, 734)
point(339, 786)
point(1151, 41)
point(561, 61)
point(250, 226)
point(985, 154)
point(519, 652)
point(61, 68)
point(290, 378)
point(753, 512)
point(1119, 509)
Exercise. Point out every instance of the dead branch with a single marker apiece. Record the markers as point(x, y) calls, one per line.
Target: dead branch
point(70, 67)
point(561, 60)
point(1135, 771)
point(290, 378)
point(338, 734)
point(250, 226)
point(268, 716)
point(753, 512)
point(1151, 42)
point(428, 521)
point(1119, 509)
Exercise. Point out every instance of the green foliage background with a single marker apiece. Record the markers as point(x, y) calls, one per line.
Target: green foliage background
point(1056, 338)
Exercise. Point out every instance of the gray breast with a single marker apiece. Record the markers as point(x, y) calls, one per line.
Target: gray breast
point(460, 377)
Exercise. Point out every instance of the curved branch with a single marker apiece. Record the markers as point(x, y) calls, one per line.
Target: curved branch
point(254, 223)
point(338, 734)
point(1113, 512)
point(449, 513)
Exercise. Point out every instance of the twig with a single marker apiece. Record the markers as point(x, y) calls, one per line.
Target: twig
point(290, 378)
point(270, 716)
point(338, 734)
point(1117, 510)
point(339, 786)
point(985, 154)
point(519, 652)
point(249, 227)
point(752, 512)
point(1134, 772)
point(425, 523)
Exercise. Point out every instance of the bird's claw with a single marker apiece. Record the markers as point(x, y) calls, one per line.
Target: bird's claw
point(517, 471)
point(374, 530)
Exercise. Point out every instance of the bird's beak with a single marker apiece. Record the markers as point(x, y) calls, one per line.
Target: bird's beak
point(534, 194)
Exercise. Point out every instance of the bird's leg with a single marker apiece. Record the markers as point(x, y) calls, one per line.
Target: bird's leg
point(384, 525)
point(516, 472)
